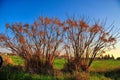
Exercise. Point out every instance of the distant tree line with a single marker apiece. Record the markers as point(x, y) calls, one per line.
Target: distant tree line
point(106, 57)
point(102, 57)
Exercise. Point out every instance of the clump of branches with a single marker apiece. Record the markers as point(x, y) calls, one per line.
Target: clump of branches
point(84, 42)
point(37, 43)
point(40, 43)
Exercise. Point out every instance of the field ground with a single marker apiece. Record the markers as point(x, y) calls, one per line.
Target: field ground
point(99, 70)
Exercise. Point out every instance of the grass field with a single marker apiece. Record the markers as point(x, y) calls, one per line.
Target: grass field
point(99, 70)
point(105, 65)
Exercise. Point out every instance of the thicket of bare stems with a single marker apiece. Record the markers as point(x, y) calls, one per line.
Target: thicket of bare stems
point(85, 42)
point(40, 42)
point(37, 43)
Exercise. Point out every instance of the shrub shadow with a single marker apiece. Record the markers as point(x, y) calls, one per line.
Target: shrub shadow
point(10, 72)
point(114, 74)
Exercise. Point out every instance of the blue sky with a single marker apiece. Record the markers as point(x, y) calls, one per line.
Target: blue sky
point(26, 11)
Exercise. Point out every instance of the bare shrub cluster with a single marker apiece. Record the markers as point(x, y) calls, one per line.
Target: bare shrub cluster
point(84, 42)
point(37, 43)
point(40, 43)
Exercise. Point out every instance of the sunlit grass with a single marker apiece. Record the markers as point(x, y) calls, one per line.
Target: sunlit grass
point(97, 65)
point(17, 60)
point(59, 63)
point(12, 73)
point(105, 65)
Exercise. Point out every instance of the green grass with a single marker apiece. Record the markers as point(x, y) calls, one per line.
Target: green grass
point(97, 65)
point(99, 70)
point(59, 63)
point(105, 65)
point(17, 60)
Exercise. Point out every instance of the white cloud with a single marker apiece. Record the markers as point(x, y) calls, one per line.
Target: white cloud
point(4, 50)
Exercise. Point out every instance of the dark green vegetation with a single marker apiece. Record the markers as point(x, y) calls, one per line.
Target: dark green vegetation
point(99, 70)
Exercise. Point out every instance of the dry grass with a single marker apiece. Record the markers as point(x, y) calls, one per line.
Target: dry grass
point(7, 60)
